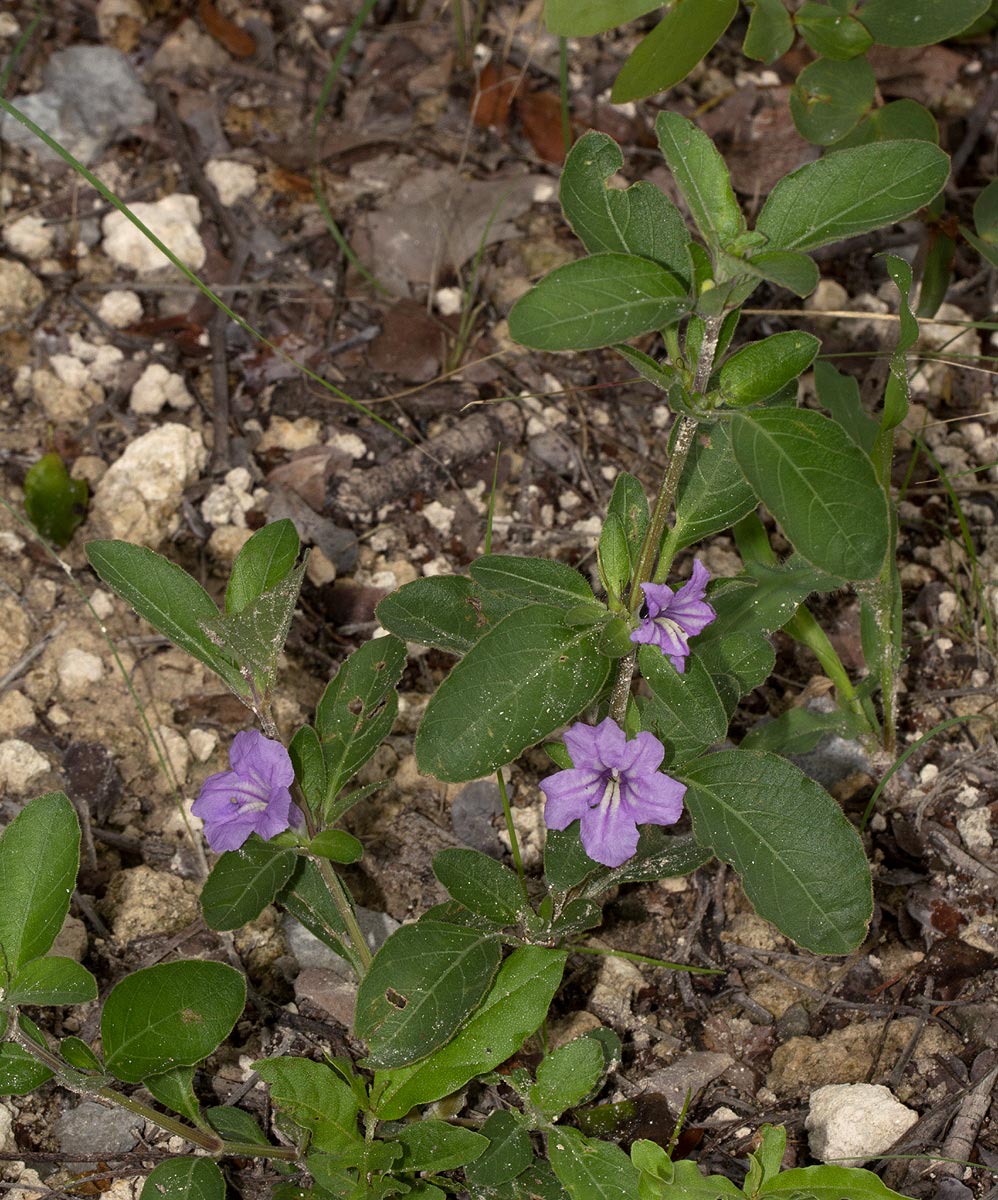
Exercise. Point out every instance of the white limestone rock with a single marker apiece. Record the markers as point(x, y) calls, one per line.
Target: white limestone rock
point(234, 181)
point(855, 1121)
point(157, 387)
point(20, 765)
point(139, 498)
point(30, 237)
point(79, 671)
point(20, 291)
point(174, 220)
point(120, 308)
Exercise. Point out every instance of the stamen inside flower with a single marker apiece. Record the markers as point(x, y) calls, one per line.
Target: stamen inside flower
point(611, 791)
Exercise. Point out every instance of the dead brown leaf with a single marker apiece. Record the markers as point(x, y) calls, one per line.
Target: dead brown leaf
point(239, 42)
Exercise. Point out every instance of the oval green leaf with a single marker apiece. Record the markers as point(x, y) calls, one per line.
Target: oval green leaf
point(583, 18)
point(830, 98)
point(184, 1179)
point(832, 34)
point(852, 191)
point(597, 301)
point(673, 48)
point(481, 885)
point(713, 492)
point(760, 369)
point(541, 580)
point(919, 22)
point(316, 1098)
point(702, 177)
point(243, 882)
point(780, 831)
point(170, 1015)
point(264, 562)
point(819, 485)
point(52, 980)
point(524, 679)
point(39, 858)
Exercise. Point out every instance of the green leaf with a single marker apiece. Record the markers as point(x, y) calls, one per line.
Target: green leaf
point(52, 980)
point(590, 1169)
point(307, 899)
point(839, 393)
point(481, 885)
point(264, 561)
point(184, 1179)
point(713, 492)
point(310, 767)
point(818, 484)
point(337, 845)
point(895, 121)
point(583, 18)
point(20, 1073)
point(173, 603)
point(524, 679)
point(684, 712)
point(659, 373)
point(175, 1090)
point(768, 1159)
point(566, 864)
point(780, 831)
point(441, 610)
point(54, 502)
point(799, 730)
point(234, 1124)
point(614, 557)
point(513, 1009)
point(422, 984)
point(508, 1154)
point(986, 213)
point(566, 1076)
point(701, 176)
point(786, 268)
point(828, 1183)
point(761, 369)
point(834, 35)
point(737, 663)
point(357, 711)
point(431, 1145)
point(919, 22)
point(39, 858)
point(78, 1054)
point(171, 1015)
point(639, 219)
point(597, 301)
point(629, 504)
point(255, 635)
point(673, 48)
point(316, 1099)
point(851, 191)
point(830, 98)
point(243, 882)
point(770, 31)
point(540, 580)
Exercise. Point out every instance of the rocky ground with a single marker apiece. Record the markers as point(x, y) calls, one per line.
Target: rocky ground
point(192, 431)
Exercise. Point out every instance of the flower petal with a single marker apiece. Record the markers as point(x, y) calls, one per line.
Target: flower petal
point(611, 743)
point(252, 753)
point(609, 835)
point(568, 795)
point(654, 799)
point(580, 741)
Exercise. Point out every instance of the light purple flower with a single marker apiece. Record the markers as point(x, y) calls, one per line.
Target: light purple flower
point(253, 797)
point(674, 617)
point(613, 786)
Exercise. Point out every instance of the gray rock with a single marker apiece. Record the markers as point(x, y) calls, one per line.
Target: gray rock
point(311, 953)
point(688, 1074)
point(91, 1129)
point(328, 991)
point(472, 816)
point(832, 760)
point(91, 95)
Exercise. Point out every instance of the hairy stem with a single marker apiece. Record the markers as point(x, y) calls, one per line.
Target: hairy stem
point(76, 1081)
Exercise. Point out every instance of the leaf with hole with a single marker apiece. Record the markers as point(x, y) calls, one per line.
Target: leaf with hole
point(421, 986)
point(597, 301)
point(639, 219)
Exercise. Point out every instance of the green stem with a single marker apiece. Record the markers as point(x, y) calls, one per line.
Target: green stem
point(643, 958)
point(644, 571)
point(514, 844)
point(76, 1081)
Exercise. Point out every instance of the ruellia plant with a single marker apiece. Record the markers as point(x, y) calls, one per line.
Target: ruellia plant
point(628, 677)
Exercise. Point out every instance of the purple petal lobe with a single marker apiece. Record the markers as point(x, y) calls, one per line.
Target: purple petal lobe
point(253, 797)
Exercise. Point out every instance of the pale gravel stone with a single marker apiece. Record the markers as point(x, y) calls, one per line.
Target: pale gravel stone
point(30, 236)
point(20, 766)
point(283, 434)
point(138, 500)
point(174, 220)
point(70, 370)
point(176, 751)
point(16, 712)
point(320, 570)
point(157, 387)
point(855, 1122)
point(120, 308)
point(975, 829)
point(11, 544)
point(234, 181)
point(79, 671)
point(348, 443)
point(202, 743)
point(20, 291)
point(228, 502)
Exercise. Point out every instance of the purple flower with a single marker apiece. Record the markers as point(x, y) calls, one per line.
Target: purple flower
point(614, 786)
point(674, 617)
point(253, 797)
